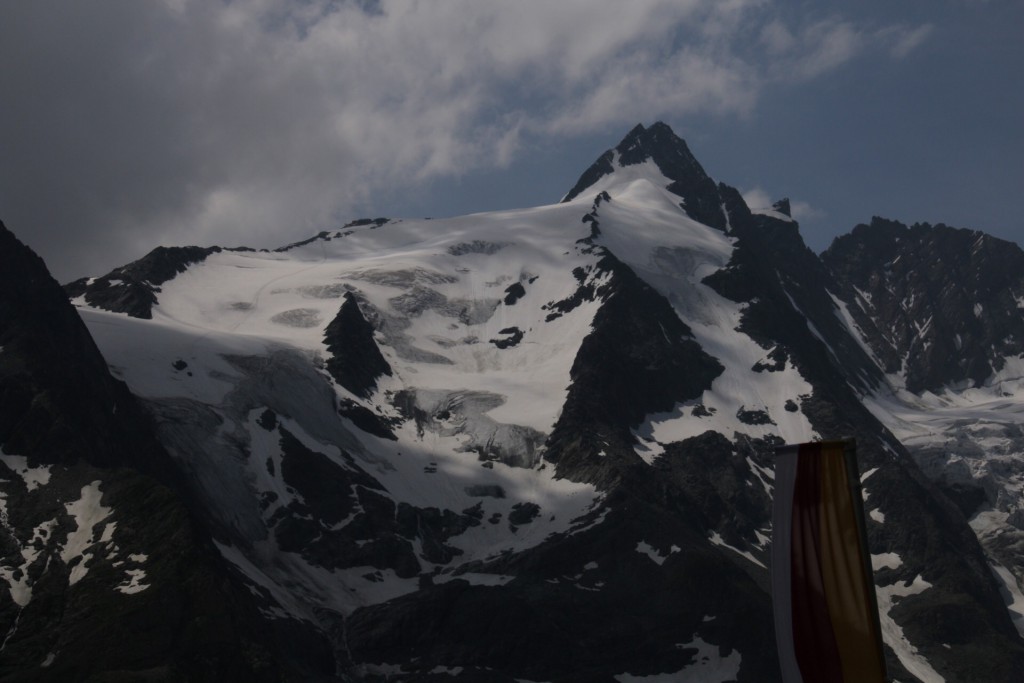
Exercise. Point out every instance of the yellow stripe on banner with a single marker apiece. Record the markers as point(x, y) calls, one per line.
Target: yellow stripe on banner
point(846, 584)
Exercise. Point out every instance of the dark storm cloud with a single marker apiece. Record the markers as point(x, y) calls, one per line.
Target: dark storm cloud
point(125, 125)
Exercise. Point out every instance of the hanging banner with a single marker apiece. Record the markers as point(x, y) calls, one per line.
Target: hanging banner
point(826, 614)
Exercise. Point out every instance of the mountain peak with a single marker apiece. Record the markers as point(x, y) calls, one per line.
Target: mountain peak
point(659, 144)
point(783, 207)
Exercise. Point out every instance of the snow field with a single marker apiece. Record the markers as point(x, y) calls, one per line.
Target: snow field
point(143, 353)
point(686, 253)
point(560, 501)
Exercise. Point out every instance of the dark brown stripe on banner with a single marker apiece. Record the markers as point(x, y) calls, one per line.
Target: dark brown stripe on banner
point(815, 643)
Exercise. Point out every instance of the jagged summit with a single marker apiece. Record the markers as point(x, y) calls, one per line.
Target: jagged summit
point(658, 144)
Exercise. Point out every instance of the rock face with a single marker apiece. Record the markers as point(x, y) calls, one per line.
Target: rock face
point(939, 305)
point(356, 361)
point(639, 358)
point(58, 401)
point(533, 445)
point(132, 289)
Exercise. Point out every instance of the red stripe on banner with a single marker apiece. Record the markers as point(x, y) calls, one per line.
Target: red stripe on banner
point(816, 650)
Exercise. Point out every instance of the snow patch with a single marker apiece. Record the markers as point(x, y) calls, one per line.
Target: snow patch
point(709, 666)
point(647, 449)
point(87, 512)
point(133, 584)
point(764, 474)
point(650, 551)
point(34, 477)
point(853, 328)
point(21, 589)
point(716, 539)
point(886, 561)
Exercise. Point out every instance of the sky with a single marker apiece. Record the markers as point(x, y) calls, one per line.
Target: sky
point(127, 125)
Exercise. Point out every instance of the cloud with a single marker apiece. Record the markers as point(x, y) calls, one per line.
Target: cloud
point(902, 40)
point(758, 198)
point(804, 212)
point(127, 125)
point(777, 38)
point(818, 46)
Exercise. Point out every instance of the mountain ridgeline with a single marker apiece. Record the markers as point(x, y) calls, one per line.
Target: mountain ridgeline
point(940, 304)
point(524, 446)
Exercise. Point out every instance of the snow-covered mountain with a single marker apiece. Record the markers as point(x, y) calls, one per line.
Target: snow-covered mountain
point(528, 445)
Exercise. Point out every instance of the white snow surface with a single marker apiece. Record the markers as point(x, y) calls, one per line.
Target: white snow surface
point(644, 548)
point(133, 584)
point(34, 477)
point(288, 298)
point(87, 511)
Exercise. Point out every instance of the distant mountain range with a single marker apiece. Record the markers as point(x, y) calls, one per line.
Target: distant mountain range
point(530, 445)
